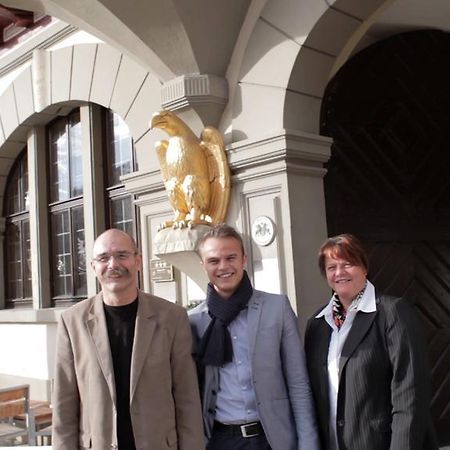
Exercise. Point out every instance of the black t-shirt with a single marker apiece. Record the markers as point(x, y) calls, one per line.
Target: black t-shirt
point(120, 321)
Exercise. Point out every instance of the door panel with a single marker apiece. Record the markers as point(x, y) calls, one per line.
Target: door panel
point(388, 112)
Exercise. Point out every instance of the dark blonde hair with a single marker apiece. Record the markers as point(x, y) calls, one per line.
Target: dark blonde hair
point(220, 231)
point(343, 246)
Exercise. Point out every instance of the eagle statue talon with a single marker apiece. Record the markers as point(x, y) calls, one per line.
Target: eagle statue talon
point(166, 224)
point(179, 224)
point(195, 172)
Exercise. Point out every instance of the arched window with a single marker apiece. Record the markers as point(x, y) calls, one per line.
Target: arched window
point(63, 189)
point(120, 161)
point(17, 236)
point(68, 255)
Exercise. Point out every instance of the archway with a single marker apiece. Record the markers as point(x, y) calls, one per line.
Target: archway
point(388, 112)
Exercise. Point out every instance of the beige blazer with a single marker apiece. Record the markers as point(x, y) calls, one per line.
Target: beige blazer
point(164, 399)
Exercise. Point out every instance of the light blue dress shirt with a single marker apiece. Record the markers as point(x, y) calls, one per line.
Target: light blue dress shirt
point(236, 401)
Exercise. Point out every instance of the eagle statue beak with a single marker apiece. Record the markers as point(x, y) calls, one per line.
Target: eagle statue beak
point(154, 122)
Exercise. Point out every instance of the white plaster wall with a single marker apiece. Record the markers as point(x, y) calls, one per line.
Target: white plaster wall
point(27, 350)
point(80, 37)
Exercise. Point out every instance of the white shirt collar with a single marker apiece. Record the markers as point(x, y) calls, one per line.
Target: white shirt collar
point(367, 303)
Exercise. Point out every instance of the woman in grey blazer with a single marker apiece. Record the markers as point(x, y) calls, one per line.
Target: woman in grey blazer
point(366, 360)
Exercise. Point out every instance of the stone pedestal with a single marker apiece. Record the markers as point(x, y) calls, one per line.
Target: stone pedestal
point(179, 248)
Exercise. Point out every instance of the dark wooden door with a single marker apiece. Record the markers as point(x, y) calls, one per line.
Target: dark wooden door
point(388, 180)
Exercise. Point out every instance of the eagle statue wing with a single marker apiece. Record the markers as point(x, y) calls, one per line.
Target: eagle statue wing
point(161, 149)
point(219, 173)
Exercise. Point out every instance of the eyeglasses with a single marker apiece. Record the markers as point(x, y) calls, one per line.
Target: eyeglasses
point(119, 256)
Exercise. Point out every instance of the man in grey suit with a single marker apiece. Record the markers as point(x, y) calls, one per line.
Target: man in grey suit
point(254, 384)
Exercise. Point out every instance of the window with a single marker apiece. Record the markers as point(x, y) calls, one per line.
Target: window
point(68, 256)
point(17, 236)
point(120, 161)
point(65, 181)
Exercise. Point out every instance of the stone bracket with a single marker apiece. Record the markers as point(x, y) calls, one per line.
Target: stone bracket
point(179, 248)
point(185, 90)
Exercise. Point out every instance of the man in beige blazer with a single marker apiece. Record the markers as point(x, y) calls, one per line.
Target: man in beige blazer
point(125, 378)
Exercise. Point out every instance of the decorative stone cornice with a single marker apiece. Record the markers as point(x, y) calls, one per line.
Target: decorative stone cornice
point(191, 89)
point(294, 151)
point(287, 151)
point(143, 182)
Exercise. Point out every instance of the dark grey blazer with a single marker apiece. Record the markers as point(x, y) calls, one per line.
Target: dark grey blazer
point(384, 396)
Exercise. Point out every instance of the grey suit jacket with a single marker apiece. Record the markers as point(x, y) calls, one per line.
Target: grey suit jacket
point(383, 398)
point(164, 399)
point(280, 379)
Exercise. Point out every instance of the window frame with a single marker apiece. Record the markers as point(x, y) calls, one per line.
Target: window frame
point(116, 191)
point(57, 207)
point(18, 216)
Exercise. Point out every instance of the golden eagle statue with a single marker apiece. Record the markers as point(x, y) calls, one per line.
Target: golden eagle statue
point(195, 172)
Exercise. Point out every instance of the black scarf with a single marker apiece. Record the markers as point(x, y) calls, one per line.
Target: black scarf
point(215, 347)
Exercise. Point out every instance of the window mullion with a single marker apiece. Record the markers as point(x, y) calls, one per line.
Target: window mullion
point(68, 158)
point(72, 253)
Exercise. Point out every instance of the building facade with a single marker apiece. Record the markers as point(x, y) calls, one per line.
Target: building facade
point(333, 114)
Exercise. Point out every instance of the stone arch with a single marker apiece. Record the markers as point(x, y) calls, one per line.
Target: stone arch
point(289, 58)
point(169, 37)
point(56, 81)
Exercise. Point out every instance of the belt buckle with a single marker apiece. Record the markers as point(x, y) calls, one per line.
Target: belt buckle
point(244, 430)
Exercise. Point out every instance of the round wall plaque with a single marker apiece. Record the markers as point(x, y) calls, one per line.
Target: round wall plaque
point(263, 231)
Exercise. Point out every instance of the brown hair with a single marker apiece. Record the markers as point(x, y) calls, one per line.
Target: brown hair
point(220, 231)
point(344, 246)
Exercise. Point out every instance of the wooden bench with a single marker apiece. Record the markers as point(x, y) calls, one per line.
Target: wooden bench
point(15, 401)
point(40, 421)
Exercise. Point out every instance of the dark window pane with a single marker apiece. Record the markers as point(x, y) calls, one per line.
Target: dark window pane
point(120, 149)
point(76, 153)
point(122, 214)
point(25, 206)
point(66, 209)
point(17, 187)
point(62, 269)
point(17, 235)
point(13, 192)
point(27, 293)
point(59, 161)
point(80, 283)
point(120, 161)
point(13, 261)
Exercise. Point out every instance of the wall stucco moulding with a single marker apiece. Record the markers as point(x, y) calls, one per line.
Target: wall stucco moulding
point(194, 88)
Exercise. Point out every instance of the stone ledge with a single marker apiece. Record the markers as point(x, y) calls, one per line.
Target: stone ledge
point(48, 315)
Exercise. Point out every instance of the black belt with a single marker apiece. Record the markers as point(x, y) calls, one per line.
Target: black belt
point(245, 430)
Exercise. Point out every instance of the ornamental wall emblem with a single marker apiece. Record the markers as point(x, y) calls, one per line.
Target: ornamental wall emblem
point(263, 231)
